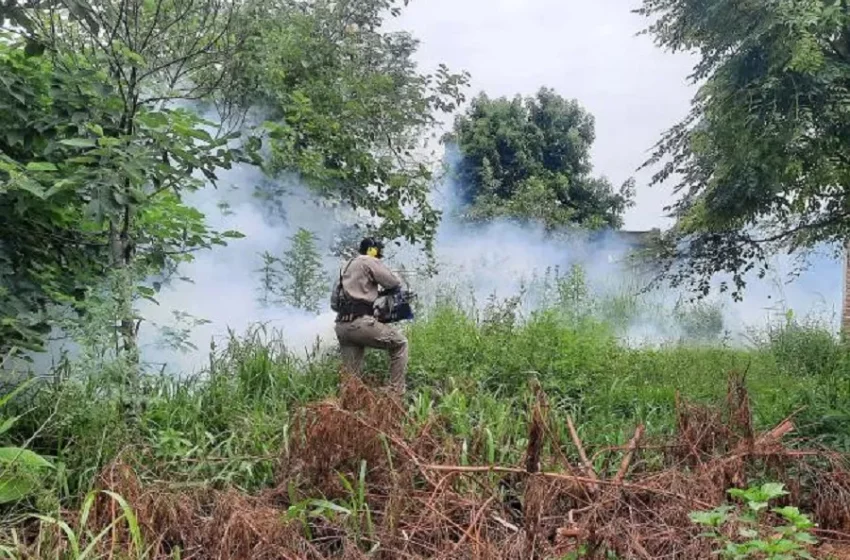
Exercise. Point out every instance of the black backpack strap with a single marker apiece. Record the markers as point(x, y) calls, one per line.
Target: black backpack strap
point(343, 271)
point(354, 307)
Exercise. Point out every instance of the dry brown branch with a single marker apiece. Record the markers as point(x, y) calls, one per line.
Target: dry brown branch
point(579, 480)
point(588, 466)
point(396, 441)
point(474, 523)
point(627, 459)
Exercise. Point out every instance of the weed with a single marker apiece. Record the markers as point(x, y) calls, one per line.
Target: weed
point(756, 537)
point(227, 426)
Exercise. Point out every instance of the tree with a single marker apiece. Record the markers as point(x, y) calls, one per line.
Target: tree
point(297, 278)
point(44, 256)
point(761, 161)
point(346, 109)
point(93, 156)
point(271, 278)
point(530, 159)
point(307, 283)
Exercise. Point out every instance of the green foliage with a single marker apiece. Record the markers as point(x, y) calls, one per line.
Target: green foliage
point(470, 368)
point(21, 470)
point(308, 283)
point(802, 345)
point(762, 541)
point(40, 212)
point(355, 510)
point(529, 159)
point(271, 278)
point(91, 171)
point(178, 334)
point(700, 321)
point(82, 542)
point(348, 110)
point(761, 160)
point(296, 279)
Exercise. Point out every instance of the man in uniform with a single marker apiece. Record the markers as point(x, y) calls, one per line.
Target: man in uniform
point(363, 279)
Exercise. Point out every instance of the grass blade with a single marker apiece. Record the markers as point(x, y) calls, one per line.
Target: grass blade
point(132, 522)
point(72, 536)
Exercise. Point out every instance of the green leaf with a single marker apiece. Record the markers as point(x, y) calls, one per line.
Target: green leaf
point(41, 166)
point(711, 518)
point(153, 119)
point(324, 504)
point(805, 538)
point(19, 389)
point(24, 457)
point(14, 487)
point(81, 159)
point(757, 506)
point(7, 424)
point(145, 290)
point(79, 142)
point(108, 142)
point(132, 522)
point(69, 533)
point(773, 490)
point(85, 510)
point(57, 186)
point(30, 186)
point(199, 134)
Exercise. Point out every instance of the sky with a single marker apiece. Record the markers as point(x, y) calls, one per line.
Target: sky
point(587, 50)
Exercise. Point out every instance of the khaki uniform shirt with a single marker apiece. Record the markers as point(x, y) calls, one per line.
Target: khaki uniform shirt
point(365, 275)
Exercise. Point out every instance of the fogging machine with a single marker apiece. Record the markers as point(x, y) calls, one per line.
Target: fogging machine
point(395, 305)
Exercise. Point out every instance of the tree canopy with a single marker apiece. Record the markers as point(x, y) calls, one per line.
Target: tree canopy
point(347, 109)
point(95, 156)
point(761, 162)
point(529, 159)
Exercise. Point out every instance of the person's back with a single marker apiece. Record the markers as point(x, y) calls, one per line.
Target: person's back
point(362, 280)
point(364, 276)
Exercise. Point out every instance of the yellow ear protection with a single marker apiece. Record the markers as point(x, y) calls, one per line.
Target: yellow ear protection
point(371, 247)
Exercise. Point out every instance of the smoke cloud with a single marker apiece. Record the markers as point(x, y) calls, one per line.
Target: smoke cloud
point(498, 259)
point(477, 262)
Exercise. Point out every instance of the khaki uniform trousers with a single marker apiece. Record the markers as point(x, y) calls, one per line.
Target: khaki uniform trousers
point(367, 332)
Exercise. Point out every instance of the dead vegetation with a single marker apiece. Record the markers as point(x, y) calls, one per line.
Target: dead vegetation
point(413, 499)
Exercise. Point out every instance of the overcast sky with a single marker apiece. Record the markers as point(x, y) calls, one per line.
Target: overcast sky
point(584, 49)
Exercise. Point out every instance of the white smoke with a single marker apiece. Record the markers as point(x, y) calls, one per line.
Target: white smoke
point(225, 280)
point(474, 262)
point(494, 259)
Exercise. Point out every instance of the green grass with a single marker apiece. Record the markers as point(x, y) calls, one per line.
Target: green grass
point(472, 367)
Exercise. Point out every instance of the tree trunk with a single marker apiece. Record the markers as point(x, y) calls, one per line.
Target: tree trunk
point(122, 247)
point(126, 345)
point(121, 255)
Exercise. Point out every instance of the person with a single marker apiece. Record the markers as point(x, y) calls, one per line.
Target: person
point(361, 281)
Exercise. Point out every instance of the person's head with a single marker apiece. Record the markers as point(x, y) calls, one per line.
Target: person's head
point(372, 247)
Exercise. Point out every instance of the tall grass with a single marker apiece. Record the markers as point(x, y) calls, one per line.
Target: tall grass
point(470, 364)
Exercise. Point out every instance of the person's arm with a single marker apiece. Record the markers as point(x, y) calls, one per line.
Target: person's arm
point(384, 276)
